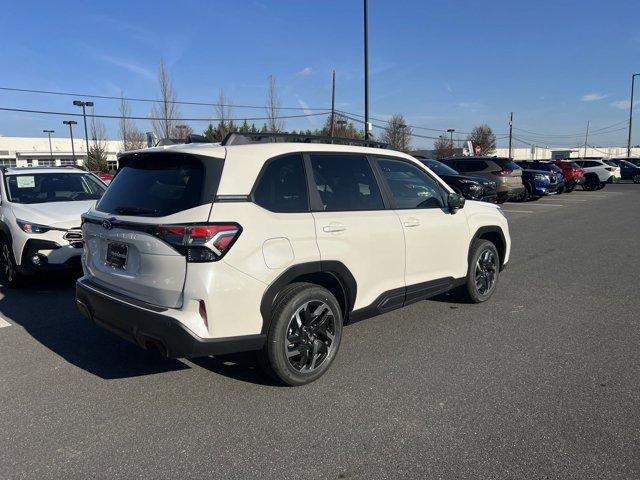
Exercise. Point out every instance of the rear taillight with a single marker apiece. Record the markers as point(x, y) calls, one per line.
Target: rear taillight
point(609, 169)
point(202, 242)
point(504, 171)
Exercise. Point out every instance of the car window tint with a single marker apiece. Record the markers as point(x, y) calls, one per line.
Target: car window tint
point(345, 182)
point(410, 186)
point(283, 186)
point(471, 166)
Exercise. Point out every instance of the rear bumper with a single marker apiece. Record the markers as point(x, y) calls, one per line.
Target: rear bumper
point(511, 193)
point(151, 327)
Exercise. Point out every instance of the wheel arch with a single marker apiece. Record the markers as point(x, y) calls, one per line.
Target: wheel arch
point(495, 235)
point(332, 275)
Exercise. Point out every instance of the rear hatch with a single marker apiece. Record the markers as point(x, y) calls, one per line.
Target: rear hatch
point(136, 237)
point(509, 171)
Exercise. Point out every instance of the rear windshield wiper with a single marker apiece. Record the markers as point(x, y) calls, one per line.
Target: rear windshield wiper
point(135, 211)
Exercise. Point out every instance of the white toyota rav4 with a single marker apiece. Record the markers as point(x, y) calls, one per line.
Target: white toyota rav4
point(40, 211)
point(265, 245)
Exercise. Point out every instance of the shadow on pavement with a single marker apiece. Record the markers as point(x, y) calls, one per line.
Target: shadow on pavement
point(45, 308)
point(238, 366)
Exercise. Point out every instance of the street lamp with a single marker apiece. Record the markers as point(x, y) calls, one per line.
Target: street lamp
point(71, 123)
point(450, 131)
point(79, 103)
point(49, 132)
point(633, 77)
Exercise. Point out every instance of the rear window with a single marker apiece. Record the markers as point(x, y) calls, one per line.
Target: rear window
point(156, 186)
point(505, 163)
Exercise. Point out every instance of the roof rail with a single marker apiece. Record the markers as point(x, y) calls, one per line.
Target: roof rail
point(235, 138)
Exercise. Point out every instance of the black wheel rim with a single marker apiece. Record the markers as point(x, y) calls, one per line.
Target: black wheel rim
point(485, 273)
point(7, 265)
point(310, 336)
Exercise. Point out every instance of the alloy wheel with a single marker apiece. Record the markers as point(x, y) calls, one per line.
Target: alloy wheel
point(485, 273)
point(310, 336)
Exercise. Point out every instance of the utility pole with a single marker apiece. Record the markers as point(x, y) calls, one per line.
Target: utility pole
point(633, 77)
point(71, 123)
point(586, 139)
point(366, 70)
point(333, 104)
point(79, 103)
point(510, 132)
point(49, 132)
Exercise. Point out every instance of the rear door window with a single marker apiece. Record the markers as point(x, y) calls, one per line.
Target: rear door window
point(282, 186)
point(345, 183)
point(156, 185)
point(471, 165)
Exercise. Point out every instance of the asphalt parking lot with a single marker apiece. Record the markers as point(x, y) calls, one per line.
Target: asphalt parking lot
point(543, 381)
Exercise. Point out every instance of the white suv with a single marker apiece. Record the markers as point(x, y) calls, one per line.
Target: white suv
point(40, 211)
point(200, 250)
point(597, 173)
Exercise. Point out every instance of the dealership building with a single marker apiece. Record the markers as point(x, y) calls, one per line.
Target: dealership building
point(32, 151)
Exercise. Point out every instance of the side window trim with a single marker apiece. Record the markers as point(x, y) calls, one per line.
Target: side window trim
point(387, 190)
point(251, 197)
point(314, 197)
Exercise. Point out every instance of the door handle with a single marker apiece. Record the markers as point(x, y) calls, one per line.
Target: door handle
point(411, 222)
point(334, 227)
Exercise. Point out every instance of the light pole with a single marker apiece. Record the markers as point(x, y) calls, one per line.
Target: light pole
point(79, 103)
point(450, 131)
point(633, 77)
point(71, 123)
point(366, 70)
point(49, 132)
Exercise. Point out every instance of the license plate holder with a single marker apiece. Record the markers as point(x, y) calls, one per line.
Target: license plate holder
point(117, 254)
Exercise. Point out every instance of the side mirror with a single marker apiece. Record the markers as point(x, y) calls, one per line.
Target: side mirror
point(455, 202)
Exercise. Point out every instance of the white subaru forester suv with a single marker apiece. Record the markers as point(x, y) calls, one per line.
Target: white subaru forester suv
point(260, 244)
point(40, 209)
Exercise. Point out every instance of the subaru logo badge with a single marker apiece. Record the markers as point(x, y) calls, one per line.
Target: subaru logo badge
point(106, 224)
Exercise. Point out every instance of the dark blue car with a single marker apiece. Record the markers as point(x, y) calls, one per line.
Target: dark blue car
point(553, 173)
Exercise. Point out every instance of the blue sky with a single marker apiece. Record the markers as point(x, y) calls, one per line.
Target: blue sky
point(447, 64)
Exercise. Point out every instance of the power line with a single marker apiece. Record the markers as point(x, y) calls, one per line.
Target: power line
point(240, 119)
point(150, 100)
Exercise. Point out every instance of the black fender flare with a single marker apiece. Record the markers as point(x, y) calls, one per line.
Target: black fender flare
point(337, 269)
point(482, 231)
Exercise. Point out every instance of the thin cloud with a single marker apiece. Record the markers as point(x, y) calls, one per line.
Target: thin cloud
point(593, 97)
point(130, 66)
point(305, 72)
point(468, 105)
point(621, 104)
point(305, 107)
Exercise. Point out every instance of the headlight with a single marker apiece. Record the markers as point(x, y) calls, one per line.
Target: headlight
point(540, 176)
point(32, 227)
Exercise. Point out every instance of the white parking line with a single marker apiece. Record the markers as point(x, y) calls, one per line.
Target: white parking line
point(516, 211)
point(4, 323)
point(547, 205)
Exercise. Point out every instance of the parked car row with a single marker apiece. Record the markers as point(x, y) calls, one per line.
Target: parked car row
point(496, 179)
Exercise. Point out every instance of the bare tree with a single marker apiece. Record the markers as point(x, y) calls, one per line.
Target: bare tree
point(443, 146)
point(182, 132)
point(483, 136)
point(165, 111)
point(97, 155)
point(224, 113)
point(132, 138)
point(274, 124)
point(397, 133)
point(341, 128)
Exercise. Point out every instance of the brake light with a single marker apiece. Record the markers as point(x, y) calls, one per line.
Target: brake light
point(200, 243)
point(504, 171)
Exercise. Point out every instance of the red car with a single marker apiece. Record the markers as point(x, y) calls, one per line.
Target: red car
point(573, 174)
point(104, 176)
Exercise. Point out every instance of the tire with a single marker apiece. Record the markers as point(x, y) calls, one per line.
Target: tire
point(560, 191)
point(526, 196)
point(304, 335)
point(502, 200)
point(569, 188)
point(636, 179)
point(601, 185)
point(10, 275)
point(472, 290)
point(591, 183)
